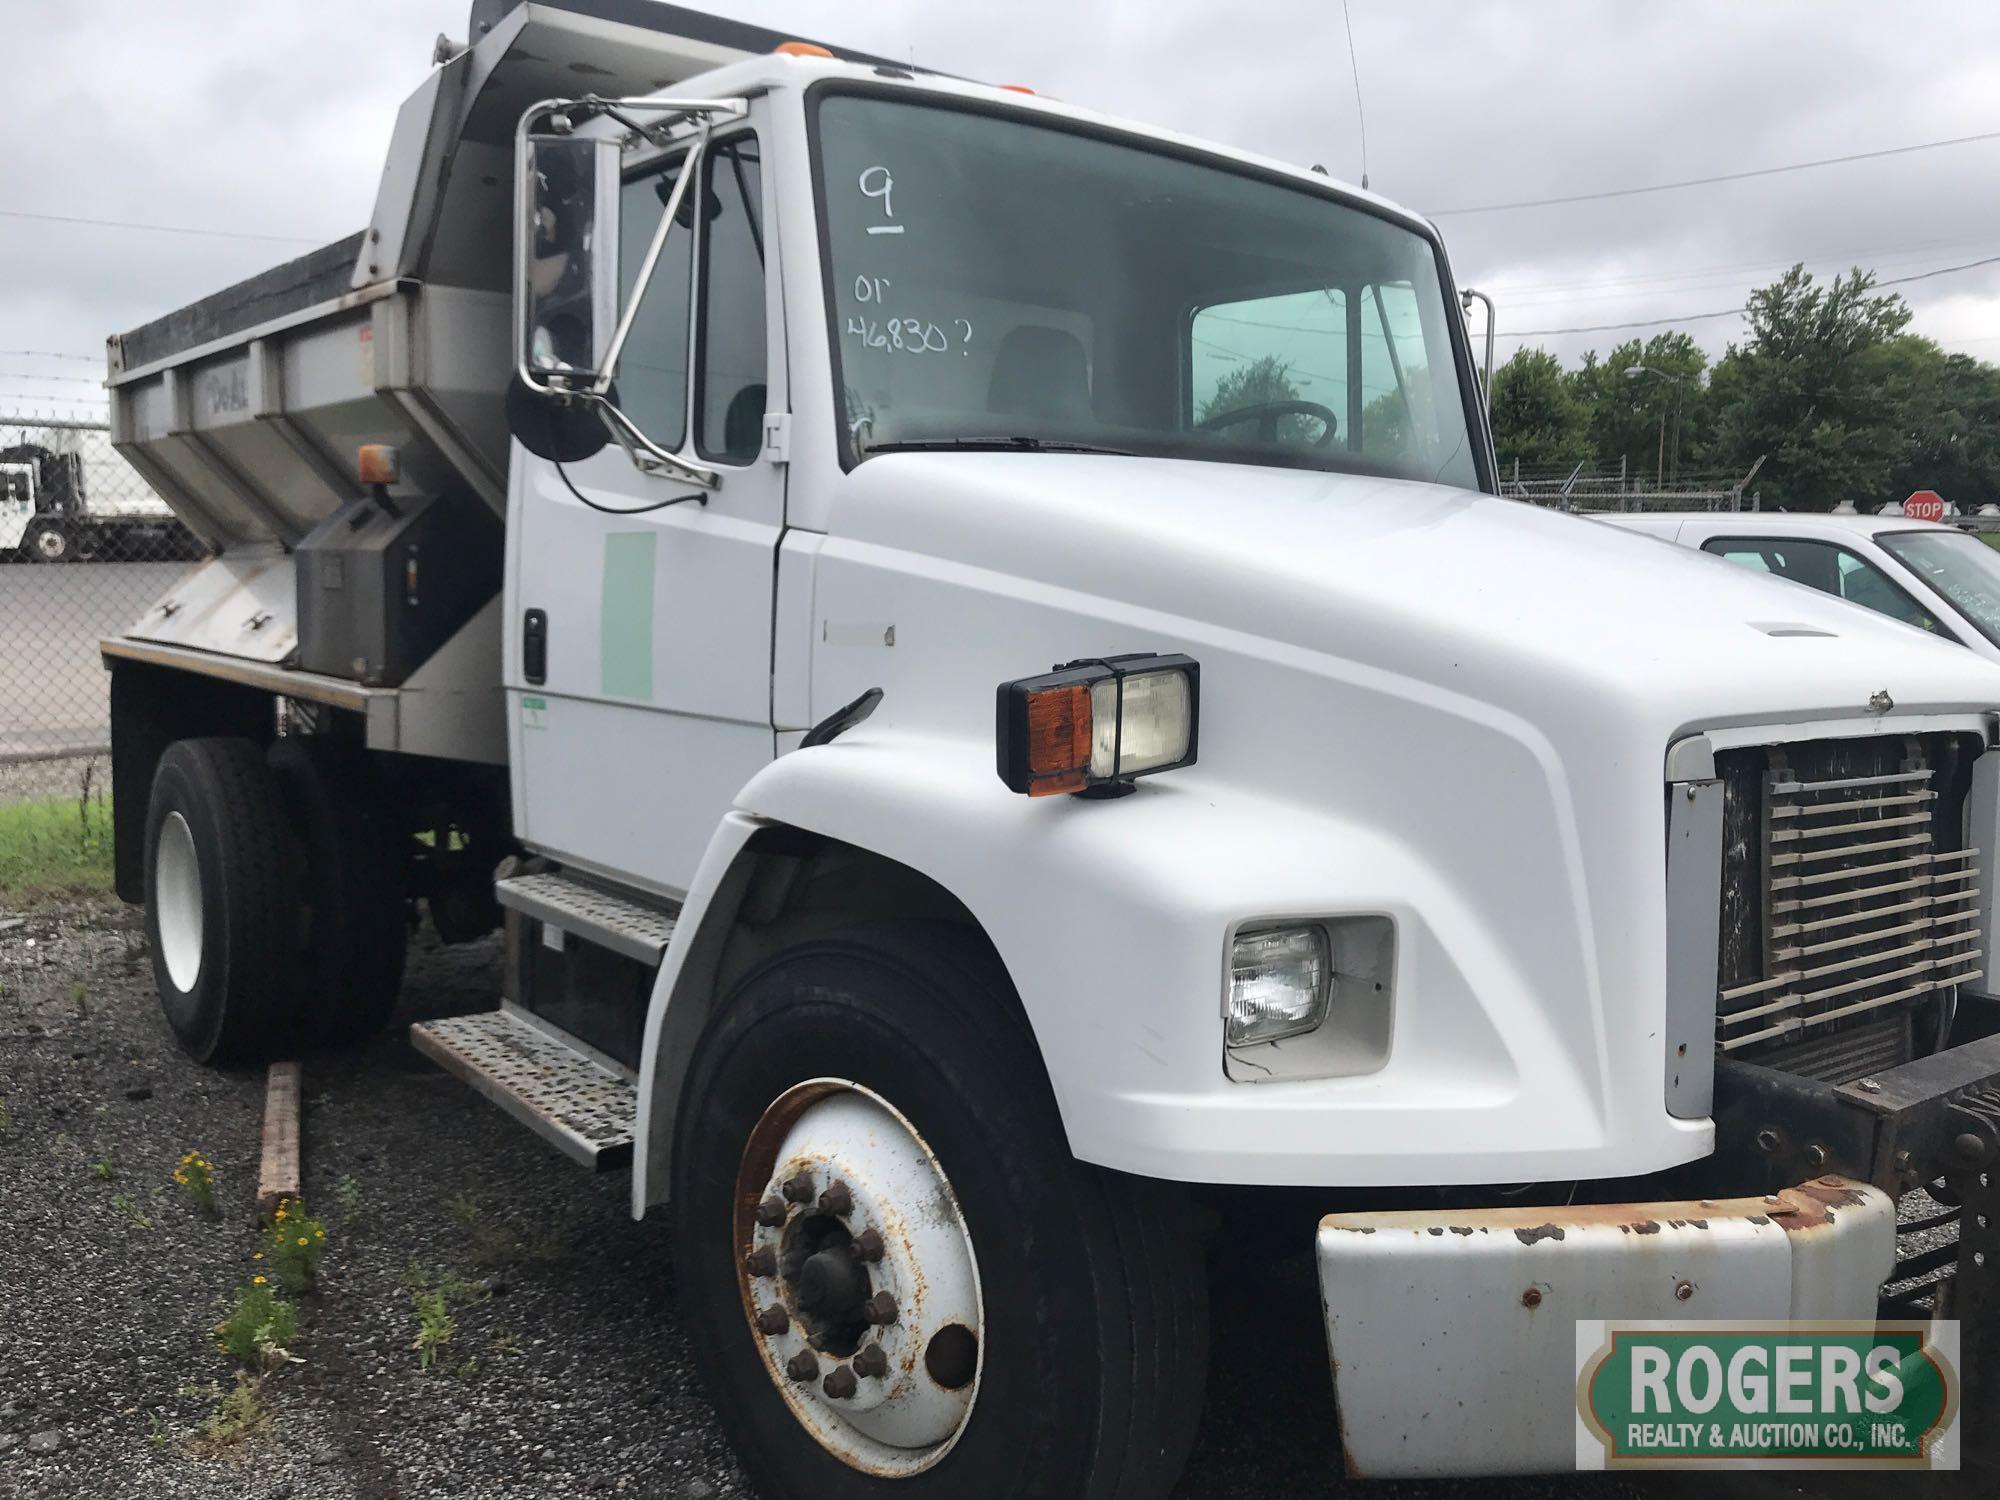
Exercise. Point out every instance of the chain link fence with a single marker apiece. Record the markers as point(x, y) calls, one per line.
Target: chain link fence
point(1589, 487)
point(85, 547)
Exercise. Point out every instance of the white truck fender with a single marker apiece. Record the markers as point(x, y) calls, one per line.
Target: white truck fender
point(1113, 919)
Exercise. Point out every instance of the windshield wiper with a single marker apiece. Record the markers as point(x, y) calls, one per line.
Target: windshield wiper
point(999, 444)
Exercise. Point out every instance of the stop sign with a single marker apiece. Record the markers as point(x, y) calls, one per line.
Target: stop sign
point(1924, 505)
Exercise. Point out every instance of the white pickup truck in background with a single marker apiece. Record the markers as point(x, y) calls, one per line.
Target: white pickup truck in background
point(975, 649)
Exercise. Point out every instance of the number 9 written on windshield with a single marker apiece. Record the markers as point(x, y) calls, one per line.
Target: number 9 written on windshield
point(908, 335)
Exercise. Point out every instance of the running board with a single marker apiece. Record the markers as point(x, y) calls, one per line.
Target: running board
point(613, 922)
point(577, 1104)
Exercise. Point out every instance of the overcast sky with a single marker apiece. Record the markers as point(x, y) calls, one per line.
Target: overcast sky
point(272, 120)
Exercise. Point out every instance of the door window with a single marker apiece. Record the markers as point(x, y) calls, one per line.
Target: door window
point(652, 377)
point(731, 388)
point(1831, 569)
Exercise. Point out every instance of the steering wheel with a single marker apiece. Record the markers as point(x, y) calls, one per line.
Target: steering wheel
point(1266, 414)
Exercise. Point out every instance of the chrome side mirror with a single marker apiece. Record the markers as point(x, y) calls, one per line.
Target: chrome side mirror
point(566, 248)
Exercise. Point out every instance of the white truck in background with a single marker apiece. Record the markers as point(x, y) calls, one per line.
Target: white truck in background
point(975, 650)
point(66, 496)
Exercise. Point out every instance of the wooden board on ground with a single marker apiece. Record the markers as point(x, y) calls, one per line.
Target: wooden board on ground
point(278, 1177)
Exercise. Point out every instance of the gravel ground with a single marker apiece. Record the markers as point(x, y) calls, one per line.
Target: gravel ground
point(573, 1376)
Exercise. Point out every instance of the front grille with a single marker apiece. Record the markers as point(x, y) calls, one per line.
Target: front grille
point(1848, 901)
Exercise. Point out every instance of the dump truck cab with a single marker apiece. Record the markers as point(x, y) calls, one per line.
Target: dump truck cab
point(973, 649)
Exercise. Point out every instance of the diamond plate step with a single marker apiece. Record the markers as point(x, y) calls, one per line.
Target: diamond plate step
point(583, 1108)
point(614, 922)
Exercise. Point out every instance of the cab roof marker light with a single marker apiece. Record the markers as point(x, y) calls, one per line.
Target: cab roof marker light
point(800, 49)
point(1089, 727)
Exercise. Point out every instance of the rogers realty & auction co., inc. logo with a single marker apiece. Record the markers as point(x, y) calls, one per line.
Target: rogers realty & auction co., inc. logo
point(1800, 1395)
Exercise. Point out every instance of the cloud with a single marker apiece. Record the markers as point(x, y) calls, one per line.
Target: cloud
point(274, 120)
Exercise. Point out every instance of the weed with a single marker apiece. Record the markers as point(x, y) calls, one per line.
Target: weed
point(56, 845)
point(505, 1344)
point(466, 1370)
point(158, 1435)
point(101, 1170)
point(79, 996)
point(196, 1177)
point(238, 1415)
point(293, 1246)
point(493, 1245)
point(6, 1120)
point(258, 1333)
point(347, 1194)
point(435, 1325)
point(126, 1205)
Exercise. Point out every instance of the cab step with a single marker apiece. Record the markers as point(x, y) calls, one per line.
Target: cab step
point(611, 921)
point(585, 1109)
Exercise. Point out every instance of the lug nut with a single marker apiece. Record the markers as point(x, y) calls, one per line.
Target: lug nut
point(802, 1366)
point(774, 1320)
point(837, 1200)
point(771, 1212)
point(1768, 1142)
point(880, 1308)
point(868, 1244)
point(1815, 1157)
point(871, 1361)
point(763, 1261)
point(840, 1384)
point(799, 1189)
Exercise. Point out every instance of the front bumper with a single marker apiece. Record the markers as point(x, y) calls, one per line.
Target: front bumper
point(1452, 1332)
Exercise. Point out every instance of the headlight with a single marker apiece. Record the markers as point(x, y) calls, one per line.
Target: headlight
point(1090, 726)
point(1279, 982)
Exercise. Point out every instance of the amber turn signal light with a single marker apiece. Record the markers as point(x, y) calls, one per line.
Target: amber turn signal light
point(1091, 726)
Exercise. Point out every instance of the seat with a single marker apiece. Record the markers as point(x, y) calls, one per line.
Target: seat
point(1040, 372)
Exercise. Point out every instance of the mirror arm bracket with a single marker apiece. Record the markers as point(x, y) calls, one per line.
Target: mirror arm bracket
point(647, 456)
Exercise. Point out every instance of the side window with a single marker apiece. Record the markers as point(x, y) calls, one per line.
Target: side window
point(1291, 347)
point(1395, 382)
point(731, 390)
point(653, 366)
point(1828, 568)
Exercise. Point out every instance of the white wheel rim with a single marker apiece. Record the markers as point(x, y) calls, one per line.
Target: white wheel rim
point(893, 1412)
point(177, 902)
point(49, 543)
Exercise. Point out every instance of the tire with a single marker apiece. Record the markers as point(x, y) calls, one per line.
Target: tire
point(1094, 1334)
point(353, 933)
point(222, 901)
point(47, 542)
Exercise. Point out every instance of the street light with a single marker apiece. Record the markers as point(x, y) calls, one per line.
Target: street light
point(1632, 372)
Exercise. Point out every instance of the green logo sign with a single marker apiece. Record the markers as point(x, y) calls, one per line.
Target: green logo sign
point(1771, 1395)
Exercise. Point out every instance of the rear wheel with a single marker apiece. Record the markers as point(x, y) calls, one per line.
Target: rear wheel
point(352, 929)
point(221, 883)
point(906, 1283)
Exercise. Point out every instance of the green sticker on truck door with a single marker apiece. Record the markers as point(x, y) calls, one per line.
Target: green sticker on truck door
point(626, 644)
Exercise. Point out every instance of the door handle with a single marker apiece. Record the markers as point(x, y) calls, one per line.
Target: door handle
point(535, 646)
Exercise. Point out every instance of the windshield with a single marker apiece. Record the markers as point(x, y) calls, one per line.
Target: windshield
point(1960, 567)
point(1001, 283)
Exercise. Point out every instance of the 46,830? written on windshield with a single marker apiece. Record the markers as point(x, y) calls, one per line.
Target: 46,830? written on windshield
point(996, 281)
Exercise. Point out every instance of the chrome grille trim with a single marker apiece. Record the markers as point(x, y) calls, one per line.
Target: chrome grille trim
point(1862, 912)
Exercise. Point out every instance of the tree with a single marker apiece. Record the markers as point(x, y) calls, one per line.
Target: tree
point(1815, 388)
point(1265, 379)
point(1537, 419)
point(1646, 405)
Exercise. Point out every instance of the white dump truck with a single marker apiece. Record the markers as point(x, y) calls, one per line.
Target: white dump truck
point(975, 652)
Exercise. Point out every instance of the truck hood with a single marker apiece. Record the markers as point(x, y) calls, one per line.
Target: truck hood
point(1465, 592)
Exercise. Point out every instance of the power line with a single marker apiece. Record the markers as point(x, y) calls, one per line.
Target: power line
point(1668, 187)
point(220, 234)
point(41, 375)
point(1737, 312)
point(88, 359)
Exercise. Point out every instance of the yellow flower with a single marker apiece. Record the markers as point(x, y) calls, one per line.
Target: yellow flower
point(258, 1256)
point(318, 1234)
point(302, 1239)
point(258, 1280)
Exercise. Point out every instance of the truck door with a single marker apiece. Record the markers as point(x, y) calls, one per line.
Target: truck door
point(639, 634)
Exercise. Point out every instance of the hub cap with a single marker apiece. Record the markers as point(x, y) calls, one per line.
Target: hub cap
point(858, 1277)
point(177, 902)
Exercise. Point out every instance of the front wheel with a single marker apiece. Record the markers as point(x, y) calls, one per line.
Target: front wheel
point(48, 542)
point(904, 1282)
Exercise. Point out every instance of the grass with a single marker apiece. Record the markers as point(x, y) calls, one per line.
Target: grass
point(55, 846)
